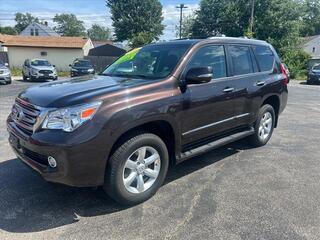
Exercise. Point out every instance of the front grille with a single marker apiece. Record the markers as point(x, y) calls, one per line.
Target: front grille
point(45, 71)
point(24, 115)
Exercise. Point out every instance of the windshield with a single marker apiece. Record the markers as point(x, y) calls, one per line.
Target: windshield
point(316, 67)
point(82, 64)
point(152, 61)
point(40, 63)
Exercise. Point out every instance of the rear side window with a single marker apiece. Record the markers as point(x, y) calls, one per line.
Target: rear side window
point(213, 56)
point(241, 60)
point(265, 57)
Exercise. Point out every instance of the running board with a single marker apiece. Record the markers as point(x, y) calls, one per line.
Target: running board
point(215, 144)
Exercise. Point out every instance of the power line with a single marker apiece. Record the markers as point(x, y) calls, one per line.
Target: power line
point(181, 7)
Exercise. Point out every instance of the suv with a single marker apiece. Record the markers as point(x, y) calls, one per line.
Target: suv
point(5, 74)
point(314, 75)
point(155, 106)
point(81, 67)
point(38, 69)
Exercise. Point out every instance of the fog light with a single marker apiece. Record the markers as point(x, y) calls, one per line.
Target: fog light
point(52, 162)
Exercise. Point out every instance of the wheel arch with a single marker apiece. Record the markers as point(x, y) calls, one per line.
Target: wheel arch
point(274, 101)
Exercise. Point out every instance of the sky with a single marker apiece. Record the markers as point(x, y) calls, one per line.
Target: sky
point(89, 11)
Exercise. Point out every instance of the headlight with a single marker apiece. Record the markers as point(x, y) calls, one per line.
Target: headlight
point(74, 70)
point(90, 70)
point(34, 71)
point(69, 119)
point(6, 71)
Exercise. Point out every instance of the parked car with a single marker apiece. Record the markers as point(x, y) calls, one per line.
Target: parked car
point(38, 69)
point(5, 74)
point(314, 75)
point(81, 67)
point(156, 106)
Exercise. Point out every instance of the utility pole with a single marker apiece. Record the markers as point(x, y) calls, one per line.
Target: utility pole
point(252, 17)
point(181, 6)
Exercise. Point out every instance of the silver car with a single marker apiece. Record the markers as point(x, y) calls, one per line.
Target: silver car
point(38, 69)
point(5, 74)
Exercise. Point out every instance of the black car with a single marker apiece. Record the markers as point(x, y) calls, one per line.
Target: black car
point(314, 75)
point(81, 67)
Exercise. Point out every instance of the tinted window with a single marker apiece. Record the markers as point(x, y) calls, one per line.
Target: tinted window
point(81, 63)
point(264, 56)
point(213, 56)
point(241, 59)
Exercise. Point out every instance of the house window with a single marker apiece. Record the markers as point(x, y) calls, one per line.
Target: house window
point(37, 32)
point(44, 53)
point(314, 49)
point(32, 32)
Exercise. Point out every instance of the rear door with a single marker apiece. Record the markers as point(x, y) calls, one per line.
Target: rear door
point(252, 69)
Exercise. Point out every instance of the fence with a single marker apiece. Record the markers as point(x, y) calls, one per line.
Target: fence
point(100, 62)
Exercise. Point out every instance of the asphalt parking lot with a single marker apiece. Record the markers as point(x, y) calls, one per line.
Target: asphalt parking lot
point(231, 193)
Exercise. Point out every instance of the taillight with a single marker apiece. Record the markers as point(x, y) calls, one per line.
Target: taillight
point(284, 72)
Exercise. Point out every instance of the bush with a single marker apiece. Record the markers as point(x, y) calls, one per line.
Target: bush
point(297, 62)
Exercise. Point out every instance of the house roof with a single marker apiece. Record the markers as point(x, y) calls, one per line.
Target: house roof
point(309, 38)
point(44, 28)
point(107, 50)
point(100, 43)
point(40, 41)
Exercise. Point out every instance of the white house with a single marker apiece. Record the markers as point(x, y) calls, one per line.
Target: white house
point(59, 51)
point(37, 29)
point(311, 45)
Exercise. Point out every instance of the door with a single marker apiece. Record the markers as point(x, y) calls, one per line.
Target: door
point(208, 108)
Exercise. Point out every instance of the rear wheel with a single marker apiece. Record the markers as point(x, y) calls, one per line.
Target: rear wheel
point(137, 169)
point(263, 126)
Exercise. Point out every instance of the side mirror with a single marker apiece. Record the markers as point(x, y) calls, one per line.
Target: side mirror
point(6, 64)
point(69, 65)
point(54, 66)
point(199, 75)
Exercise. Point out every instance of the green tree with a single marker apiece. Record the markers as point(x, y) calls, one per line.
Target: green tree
point(310, 18)
point(23, 20)
point(69, 25)
point(138, 21)
point(187, 23)
point(8, 30)
point(98, 32)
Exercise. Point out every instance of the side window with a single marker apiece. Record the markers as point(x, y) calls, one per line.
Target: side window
point(241, 59)
point(213, 56)
point(265, 57)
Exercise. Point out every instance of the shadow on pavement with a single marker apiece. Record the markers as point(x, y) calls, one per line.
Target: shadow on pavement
point(29, 204)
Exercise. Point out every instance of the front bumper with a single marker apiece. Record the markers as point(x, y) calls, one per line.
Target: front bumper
point(80, 73)
point(79, 165)
point(5, 78)
point(313, 79)
point(42, 76)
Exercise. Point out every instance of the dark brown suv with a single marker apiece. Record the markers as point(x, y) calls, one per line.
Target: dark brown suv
point(156, 105)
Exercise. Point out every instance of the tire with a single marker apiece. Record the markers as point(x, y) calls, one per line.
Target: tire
point(119, 169)
point(24, 77)
point(261, 137)
point(9, 82)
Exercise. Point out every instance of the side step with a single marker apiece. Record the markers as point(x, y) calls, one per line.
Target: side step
point(215, 144)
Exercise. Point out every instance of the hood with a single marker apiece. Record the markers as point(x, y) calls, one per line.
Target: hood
point(43, 67)
point(77, 90)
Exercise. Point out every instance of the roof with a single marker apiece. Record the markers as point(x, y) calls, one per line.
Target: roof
point(99, 43)
point(309, 38)
point(41, 41)
point(107, 50)
point(43, 27)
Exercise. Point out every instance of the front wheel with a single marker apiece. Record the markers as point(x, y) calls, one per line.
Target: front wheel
point(263, 126)
point(137, 169)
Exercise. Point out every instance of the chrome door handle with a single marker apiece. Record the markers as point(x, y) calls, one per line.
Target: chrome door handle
point(228, 89)
point(260, 83)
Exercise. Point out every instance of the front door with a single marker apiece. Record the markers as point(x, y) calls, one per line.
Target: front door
point(208, 108)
